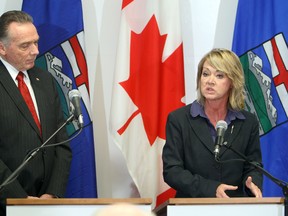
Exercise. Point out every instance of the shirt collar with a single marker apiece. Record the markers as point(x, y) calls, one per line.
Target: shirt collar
point(198, 110)
point(13, 71)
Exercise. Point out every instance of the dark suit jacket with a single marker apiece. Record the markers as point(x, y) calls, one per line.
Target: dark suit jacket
point(188, 159)
point(48, 171)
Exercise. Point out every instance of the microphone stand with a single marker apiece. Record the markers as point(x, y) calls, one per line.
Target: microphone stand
point(13, 175)
point(282, 184)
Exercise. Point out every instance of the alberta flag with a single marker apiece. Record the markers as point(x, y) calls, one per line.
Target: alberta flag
point(260, 39)
point(60, 27)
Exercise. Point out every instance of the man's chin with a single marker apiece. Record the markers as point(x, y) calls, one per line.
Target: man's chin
point(29, 66)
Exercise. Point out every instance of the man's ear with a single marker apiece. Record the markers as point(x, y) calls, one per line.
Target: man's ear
point(2, 49)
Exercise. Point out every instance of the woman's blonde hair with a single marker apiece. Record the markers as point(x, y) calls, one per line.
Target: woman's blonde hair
point(228, 62)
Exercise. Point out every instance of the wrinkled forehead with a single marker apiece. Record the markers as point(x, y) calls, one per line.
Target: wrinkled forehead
point(22, 32)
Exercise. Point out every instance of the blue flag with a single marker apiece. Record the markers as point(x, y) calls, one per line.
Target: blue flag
point(260, 39)
point(60, 27)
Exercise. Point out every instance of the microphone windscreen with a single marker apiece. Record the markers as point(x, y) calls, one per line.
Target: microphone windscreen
point(74, 93)
point(222, 124)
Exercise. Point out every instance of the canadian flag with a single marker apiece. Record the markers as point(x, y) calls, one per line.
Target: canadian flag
point(148, 84)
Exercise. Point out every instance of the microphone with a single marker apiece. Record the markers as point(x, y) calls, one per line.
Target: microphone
point(221, 127)
point(75, 97)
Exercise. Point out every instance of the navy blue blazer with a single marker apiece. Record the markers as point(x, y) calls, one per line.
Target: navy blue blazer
point(189, 164)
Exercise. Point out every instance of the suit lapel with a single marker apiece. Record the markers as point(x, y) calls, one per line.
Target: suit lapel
point(36, 83)
point(199, 125)
point(201, 129)
point(11, 89)
point(230, 134)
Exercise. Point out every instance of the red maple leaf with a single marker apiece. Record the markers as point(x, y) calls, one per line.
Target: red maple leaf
point(125, 3)
point(155, 87)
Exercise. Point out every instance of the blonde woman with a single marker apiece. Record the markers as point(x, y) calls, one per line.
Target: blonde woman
point(189, 164)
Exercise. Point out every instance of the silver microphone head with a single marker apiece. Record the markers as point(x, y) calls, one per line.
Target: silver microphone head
point(74, 93)
point(75, 99)
point(221, 124)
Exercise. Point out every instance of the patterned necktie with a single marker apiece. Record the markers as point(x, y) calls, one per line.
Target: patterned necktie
point(27, 97)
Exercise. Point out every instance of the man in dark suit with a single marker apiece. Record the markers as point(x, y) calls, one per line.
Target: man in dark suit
point(46, 175)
